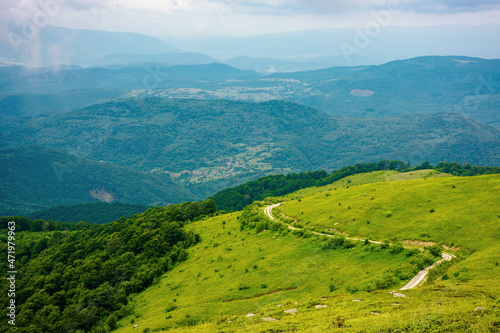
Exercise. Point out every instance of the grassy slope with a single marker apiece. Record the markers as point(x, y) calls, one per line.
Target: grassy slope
point(364, 178)
point(445, 305)
point(466, 216)
point(282, 262)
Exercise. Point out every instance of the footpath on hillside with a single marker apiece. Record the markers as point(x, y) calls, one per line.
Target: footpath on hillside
point(415, 281)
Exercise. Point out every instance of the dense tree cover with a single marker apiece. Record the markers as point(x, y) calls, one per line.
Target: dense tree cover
point(37, 225)
point(35, 178)
point(418, 85)
point(467, 169)
point(95, 213)
point(80, 281)
point(238, 197)
point(266, 138)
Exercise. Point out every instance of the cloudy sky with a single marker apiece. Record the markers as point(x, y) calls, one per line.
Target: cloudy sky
point(165, 18)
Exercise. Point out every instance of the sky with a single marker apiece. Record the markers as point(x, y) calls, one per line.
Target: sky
point(198, 18)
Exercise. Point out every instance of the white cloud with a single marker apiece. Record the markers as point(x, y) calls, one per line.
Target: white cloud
point(242, 17)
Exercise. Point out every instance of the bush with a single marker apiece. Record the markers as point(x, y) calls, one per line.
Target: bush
point(338, 322)
point(170, 308)
point(411, 252)
point(435, 250)
point(352, 289)
point(333, 242)
point(243, 287)
point(396, 249)
point(422, 260)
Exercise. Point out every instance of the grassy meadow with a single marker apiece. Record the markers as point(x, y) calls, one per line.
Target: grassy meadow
point(233, 272)
point(458, 211)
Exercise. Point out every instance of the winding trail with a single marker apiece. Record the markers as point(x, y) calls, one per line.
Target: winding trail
point(417, 279)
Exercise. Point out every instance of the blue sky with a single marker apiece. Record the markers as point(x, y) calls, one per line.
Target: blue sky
point(165, 18)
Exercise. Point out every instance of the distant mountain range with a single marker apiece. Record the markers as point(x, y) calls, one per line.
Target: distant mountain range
point(54, 46)
point(18, 79)
point(324, 47)
point(468, 86)
point(210, 145)
point(280, 52)
point(182, 126)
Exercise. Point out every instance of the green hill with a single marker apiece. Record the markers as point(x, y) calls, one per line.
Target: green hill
point(454, 210)
point(232, 272)
point(468, 86)
point(222, 267)
point(211, 145)
point(35, 178)
point(238, 197)
point(267, 269)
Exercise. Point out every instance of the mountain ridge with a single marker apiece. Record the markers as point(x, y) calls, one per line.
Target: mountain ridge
point(205, 143)
point(35, 178)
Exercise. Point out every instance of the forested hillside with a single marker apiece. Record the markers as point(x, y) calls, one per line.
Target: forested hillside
point(95, 213)
point(81, 280)
point(35, 178)
point(224, 143)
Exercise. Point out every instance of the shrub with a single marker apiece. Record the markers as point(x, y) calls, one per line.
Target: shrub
point(422, 260)
point(396, 249)
point(243, 287)
point(312, 303)
point(338, 322)
point(333, 242)
point(352, 289)
point(349, 245)
point(170, 308)
point(435, 250)
point(411, 252)
point(386, 245)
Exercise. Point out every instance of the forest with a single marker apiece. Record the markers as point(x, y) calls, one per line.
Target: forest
point(80, 281)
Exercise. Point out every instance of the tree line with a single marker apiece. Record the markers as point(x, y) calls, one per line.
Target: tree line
point(238, 197)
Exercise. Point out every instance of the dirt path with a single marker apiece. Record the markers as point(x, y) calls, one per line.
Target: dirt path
point(417, 279)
